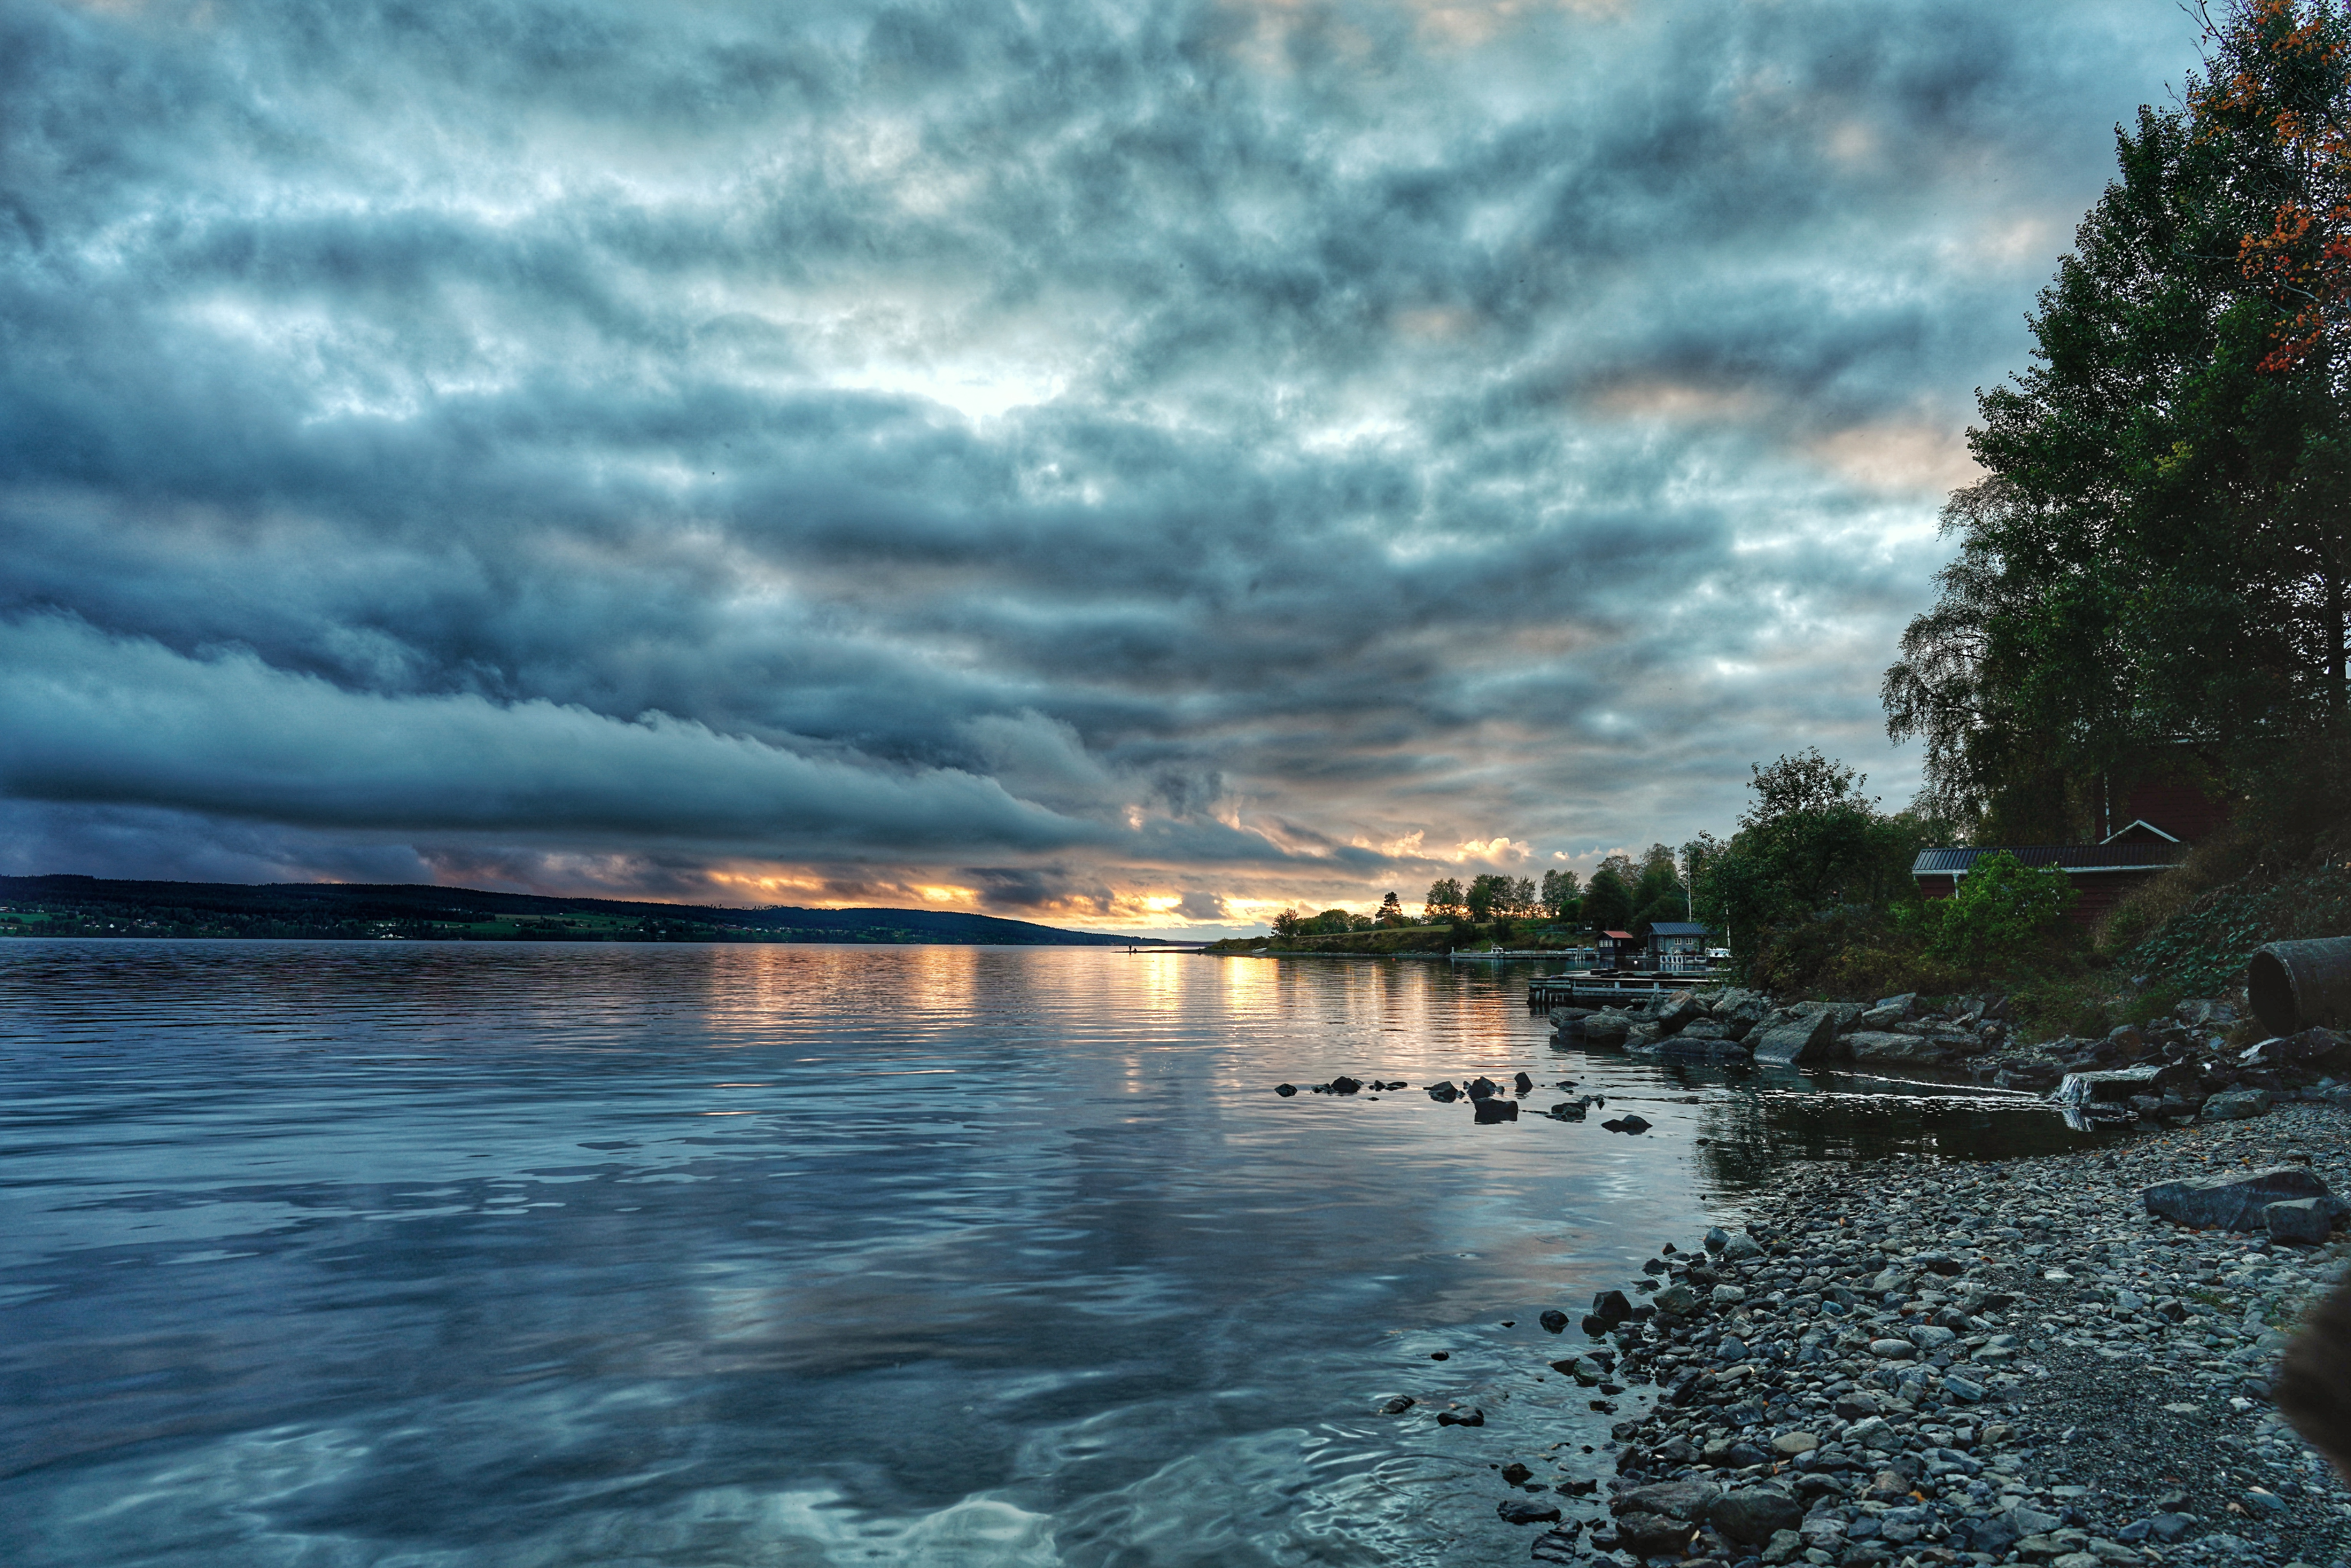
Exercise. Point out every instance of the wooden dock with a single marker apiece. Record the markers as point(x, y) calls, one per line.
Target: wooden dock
point(1586, 989)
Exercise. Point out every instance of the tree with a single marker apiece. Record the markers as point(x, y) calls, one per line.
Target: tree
point(1491, 895)
point(1392, 911)
point(1658, 893)
point(1561, 896)
point(1813, 843)
point(2160, 550)
point(1607, 899)
point(1445, 901)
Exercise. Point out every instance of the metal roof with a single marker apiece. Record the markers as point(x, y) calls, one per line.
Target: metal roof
point(1675, 928)
point(2074, 859)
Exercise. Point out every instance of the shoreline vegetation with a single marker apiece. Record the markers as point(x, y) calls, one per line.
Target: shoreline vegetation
point(36, 907)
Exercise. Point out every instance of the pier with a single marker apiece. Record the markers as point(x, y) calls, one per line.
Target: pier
point(1586, 990)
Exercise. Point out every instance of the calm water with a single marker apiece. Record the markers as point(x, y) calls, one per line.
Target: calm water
point(329, 1254)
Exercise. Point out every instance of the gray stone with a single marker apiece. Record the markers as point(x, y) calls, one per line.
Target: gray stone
point(1652, 1534)
point(1805, 1041)
point(1742, 1247)
point(1604, 1031)
point(1752, 1515)
point(1902, 1007)
point(1784, 1546)
point(1527, 1510)
point(1892, 1349)
point(1675, 1009)
point(1674, 1499)
point(2300, 1219)
point(2029, 1520)
point(2241, 1105)
point(1995, 1534)
point(2236, 1201)
point(1842, 1016)
point(1874, 1432)
point(1889, 1049)
point(1677, 1301)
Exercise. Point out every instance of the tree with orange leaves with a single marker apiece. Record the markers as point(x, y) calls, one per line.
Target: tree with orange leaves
point(2274, 95)
point(2161, 548)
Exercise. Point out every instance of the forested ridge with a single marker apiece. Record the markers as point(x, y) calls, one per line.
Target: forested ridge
point(90, 906)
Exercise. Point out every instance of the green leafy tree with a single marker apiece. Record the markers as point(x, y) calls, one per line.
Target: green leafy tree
point(1562, 896)
point(1658, 893)
point(1488, 896)
point(1444, 900)
point(1811, 844)
point(1607, 898)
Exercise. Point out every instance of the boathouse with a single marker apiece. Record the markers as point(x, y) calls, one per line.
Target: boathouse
point(1619, 950)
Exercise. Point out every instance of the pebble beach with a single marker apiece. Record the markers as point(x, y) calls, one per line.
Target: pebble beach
point(1922, 1362)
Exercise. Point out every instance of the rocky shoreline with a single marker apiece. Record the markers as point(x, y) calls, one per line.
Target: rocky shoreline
point(1920, 1363)
point(2197, 1061)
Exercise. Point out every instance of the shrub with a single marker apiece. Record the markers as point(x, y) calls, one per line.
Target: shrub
point(2003, 914)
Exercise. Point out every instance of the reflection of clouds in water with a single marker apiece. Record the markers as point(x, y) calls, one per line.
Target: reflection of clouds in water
point(289, 1481)
point(1005, 1236)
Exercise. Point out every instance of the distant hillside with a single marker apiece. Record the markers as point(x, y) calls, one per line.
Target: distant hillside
point(90, 906)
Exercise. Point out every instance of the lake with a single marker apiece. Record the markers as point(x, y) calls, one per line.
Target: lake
point(438, 1254)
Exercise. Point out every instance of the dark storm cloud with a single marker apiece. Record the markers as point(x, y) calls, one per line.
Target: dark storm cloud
point(1220, 451)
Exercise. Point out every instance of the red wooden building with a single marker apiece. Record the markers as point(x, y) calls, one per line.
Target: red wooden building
point(2143, 830)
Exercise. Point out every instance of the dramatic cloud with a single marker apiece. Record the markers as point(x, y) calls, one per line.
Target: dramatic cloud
point(1140, 464)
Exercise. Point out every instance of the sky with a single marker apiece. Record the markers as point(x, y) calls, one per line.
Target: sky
point(1136, 467)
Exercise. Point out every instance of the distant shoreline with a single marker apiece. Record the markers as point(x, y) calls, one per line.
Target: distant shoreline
point(62, 905)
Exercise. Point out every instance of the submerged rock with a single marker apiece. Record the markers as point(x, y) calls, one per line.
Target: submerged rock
point(1527, 1510)
point(1443, 1093)
point(1493, 1109)
point(1285, 1090)
point(1473, 1417)
point(1627, 1124)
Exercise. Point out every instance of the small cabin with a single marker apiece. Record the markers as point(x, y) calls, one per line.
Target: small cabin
point(1619, 950)
point(1676, 945)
